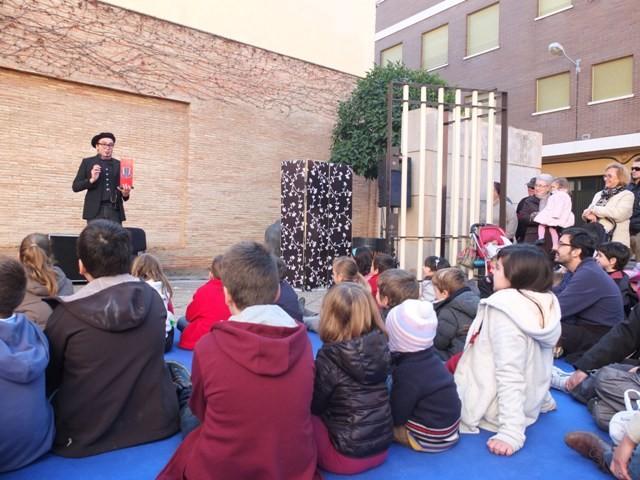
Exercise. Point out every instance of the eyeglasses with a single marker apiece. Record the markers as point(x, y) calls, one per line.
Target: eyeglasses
point(635, 169)
point(608, 175)
point(108, 145)
point(561, 244)
point(541, 185)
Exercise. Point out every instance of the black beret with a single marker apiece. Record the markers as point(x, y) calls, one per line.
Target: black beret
point(97, 138)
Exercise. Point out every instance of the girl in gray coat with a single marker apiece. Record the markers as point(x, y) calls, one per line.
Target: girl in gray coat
point(456, 306)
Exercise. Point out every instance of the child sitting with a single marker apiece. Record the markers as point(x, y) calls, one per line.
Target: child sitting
point(504, 373)
point(207, 307)
point(456, 307)
point(344, 269)
point(396, 286)
point(25, 414)
point(353, 427)
point(381, 262)
point(424, 400)
point(147, 268)
point(613, 257)
point(431, 265)
point(252, 384)
point(41, 281)
point(557, 213)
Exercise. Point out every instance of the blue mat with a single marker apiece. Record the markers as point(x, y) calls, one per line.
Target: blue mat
point(544, 455)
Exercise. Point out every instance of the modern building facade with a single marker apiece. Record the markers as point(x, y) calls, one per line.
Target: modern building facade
point(586, 102)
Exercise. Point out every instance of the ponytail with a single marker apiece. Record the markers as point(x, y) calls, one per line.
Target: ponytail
point(37, 263)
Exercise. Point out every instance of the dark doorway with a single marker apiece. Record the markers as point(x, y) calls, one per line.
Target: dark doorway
point(582, 191)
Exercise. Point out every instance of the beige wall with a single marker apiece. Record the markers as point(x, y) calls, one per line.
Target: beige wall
point(333, 33)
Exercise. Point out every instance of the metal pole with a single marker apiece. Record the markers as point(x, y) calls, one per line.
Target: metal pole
point(438, 172)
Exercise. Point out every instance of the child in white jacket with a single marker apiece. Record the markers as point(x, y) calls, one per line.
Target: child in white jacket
point(504, 373)
point(557, 212)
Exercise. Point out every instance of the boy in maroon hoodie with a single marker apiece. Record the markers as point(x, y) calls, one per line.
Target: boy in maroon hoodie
point(252, 384)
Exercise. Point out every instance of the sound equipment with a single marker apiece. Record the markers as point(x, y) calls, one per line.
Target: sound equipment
point(66, 256)
point(65, 253)
point(138, 240)
point(396, 180)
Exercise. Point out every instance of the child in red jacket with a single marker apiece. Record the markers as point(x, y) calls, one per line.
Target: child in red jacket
point(252, 384)
point(206, 308)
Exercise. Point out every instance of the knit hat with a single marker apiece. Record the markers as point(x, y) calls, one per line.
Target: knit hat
point(411, 326)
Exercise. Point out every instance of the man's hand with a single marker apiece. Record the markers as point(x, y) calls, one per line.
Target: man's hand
point(621, 456)
point(498, 447)
point(125, 190)
point(575, 379)
point(95, 173)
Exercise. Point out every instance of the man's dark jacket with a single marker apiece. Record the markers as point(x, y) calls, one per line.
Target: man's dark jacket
point(634, 222)
point(616, 345)
point(94, 190)
point(111, 387)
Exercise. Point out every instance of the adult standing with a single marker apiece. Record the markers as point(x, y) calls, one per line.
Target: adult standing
point(634, 222)
point(531, 190)
point(100, 177)
point(532, 205)
point(612, 206)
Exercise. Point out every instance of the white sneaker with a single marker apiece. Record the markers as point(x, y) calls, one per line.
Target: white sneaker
point(559, 378)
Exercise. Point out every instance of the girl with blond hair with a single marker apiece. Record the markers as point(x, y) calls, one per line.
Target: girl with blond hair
point(352, 416)
point(148, 269)
point(43, 279)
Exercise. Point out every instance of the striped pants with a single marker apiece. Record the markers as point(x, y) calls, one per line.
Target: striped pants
point(426, 439)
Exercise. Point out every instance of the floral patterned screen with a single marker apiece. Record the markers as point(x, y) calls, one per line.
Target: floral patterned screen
point(316, 206)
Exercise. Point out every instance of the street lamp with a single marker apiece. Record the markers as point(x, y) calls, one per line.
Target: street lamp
point(557, 49)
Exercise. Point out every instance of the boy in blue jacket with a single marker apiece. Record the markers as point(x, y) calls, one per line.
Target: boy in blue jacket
point(25, 414)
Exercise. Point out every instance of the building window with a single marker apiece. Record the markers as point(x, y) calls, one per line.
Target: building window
point(612, 79)
point(435, 48)
point(483, 30)
point(547, 7)
point(391, 55)
point(552, 93)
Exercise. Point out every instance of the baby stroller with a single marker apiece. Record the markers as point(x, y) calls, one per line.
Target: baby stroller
point(487, 240)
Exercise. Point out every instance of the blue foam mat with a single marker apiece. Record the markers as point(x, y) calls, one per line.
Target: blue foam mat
point(544, 455)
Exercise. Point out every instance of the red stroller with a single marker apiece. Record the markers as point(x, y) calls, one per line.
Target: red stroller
point(486, 238)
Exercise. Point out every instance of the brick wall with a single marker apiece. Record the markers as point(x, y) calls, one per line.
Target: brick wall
point(207, 120)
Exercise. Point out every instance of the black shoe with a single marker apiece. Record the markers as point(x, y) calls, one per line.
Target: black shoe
point(180, 376)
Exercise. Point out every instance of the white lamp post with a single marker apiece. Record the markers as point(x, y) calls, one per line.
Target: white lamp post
point(557, 49)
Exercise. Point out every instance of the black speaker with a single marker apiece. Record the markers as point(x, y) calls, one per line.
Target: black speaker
point(138, 240)
point(65, 255)
point(396, 181)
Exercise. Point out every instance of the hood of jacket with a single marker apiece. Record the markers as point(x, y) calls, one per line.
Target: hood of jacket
point(24, 350)
point(366, 359)
point(536, 314)
point(117, 303)
point(262, 349)
point(464, 300)
point(36, 288)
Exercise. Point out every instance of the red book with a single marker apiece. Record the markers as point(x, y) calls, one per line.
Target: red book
point(126, 172)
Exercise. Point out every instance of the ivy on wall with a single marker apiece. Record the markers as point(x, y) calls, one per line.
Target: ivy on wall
point(360, 133)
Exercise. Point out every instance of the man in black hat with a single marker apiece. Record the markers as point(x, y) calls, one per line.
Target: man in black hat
point(100, 177)
point(522, 226)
